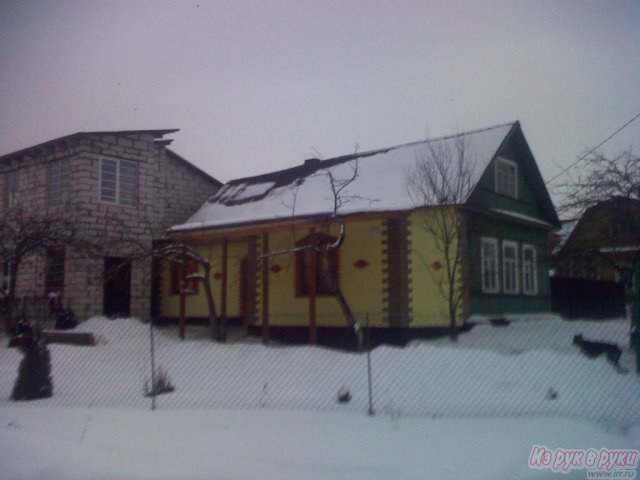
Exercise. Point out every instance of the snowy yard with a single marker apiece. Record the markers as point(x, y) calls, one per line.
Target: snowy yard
point(472, 409)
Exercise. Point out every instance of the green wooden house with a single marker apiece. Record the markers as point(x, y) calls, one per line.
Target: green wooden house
point(511, 215)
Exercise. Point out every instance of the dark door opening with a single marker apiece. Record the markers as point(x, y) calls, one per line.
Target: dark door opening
point(117, 286)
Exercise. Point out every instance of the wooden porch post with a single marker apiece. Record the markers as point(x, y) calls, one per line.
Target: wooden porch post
point(312, 273)
point(223, 290)
point(265, 288)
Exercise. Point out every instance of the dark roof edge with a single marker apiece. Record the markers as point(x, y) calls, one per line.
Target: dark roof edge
point(190, 165)
point(542, 185)
point(156, 133)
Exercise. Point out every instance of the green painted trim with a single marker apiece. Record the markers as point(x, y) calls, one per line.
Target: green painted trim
point(484, 226)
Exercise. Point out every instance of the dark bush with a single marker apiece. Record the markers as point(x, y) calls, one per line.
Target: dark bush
point(34, 374)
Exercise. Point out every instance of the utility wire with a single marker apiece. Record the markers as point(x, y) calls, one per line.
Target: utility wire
point(595, 148)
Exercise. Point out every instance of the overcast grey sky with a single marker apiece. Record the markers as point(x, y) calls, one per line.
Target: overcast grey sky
point(260, 85)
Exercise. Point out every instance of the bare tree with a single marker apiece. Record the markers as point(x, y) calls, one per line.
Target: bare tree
point(602, 178)
point(23, 234)
point(340, 197)
point(317, 246)
point(441, 181)
point(608, 189)
point(180, 255)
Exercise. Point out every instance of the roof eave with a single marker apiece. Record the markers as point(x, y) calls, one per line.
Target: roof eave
point(266, 224)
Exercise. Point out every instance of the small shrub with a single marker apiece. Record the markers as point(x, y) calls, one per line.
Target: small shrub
point(344, 395)
point(162, 384)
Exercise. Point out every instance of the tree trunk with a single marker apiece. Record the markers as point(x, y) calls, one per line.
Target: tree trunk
point(346, 310)
point(636, 304)
point(10, 299)
point(213, 318)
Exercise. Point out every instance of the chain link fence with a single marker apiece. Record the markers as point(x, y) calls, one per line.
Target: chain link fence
point(529, 367)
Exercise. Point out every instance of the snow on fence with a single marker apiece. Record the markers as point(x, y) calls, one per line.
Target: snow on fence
point(527, 368)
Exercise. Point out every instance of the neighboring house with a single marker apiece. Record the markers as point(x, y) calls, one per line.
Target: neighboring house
point(603, 244)
point(388, 267)
point(123, 185)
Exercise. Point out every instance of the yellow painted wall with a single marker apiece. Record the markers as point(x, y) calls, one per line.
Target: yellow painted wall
point(429, 306)
point(197, 304)
point(361, 287)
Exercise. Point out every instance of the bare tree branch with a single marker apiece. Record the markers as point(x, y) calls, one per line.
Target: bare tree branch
point(607, 190)
point(26, 233)
point(601, 179)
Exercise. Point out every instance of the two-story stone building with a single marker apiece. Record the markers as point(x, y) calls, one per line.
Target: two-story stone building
point(122, 189)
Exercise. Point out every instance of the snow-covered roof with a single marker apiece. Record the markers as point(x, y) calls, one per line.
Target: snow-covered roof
point(305, 190)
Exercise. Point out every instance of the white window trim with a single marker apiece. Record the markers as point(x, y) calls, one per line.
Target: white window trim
point(534, 269)
point(515, 179)
point(117, 200)
point(516, 289)
point(494, 242)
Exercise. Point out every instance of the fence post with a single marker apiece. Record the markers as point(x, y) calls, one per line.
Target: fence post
point(636, 328)
point(370, 411)
point(152, 390)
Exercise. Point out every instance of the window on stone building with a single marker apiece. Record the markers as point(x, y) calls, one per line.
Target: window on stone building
point(529, 270)
point(11, 189)
point(506, 177)
point(58, 177)
point(118, 182)
point(327, 265)
point(489, 259)
point(5, 281)
point(510, 267)
point(179, 273)
point(54, 271)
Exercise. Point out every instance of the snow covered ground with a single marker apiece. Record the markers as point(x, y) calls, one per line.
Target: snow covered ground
point(50, 443)
point(472, 409)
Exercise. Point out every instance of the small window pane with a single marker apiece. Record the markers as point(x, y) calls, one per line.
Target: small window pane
point(58, 179)
point(529, 271)
point(489, 255)
point(108, 180)
point(11, 189)
point(128, 183)
point(506, 174)
point(510, 267)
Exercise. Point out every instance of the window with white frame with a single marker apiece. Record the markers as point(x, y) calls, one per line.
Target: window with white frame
point(506, 177)
point(11, 189)
point(510, 267)
point(489, 259)
point(529, 270)
point(118, 182)
point(58, 176)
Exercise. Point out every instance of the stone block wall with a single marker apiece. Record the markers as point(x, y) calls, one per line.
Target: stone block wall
point(169, 190)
